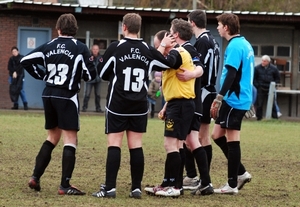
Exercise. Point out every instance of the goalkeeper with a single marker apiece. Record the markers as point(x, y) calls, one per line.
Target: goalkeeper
point(154, 92)
point(233, 100)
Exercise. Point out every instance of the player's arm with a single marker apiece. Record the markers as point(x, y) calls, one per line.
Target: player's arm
point(31, 64)
point(89, 71)
point(107, 63)
point(228, 80)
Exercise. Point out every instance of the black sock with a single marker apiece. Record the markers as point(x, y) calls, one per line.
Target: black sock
point(165, 182)
point(42, 159)
point(180, 176)
point(201, 160)
point(189, 163)
point(234, 159)
point(68, 164)
point(222, 143)
point(113, 161)
point(208, 150)
point(174, 168)
point(136, 167)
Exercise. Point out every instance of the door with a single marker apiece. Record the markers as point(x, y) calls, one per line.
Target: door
point(30, 38)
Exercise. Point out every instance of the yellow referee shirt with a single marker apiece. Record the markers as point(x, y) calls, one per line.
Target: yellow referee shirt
point(172, 87)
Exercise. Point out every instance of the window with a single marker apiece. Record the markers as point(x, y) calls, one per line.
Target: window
point(102, 43)
point(267, 50)
point(283, 51)
point(255, 49)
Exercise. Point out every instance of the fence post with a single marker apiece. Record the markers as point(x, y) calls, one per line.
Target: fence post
point(270, 100)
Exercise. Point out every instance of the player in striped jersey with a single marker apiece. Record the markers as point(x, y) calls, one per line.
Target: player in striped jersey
point(127, 65)
point(66, 61)
point(209, 54)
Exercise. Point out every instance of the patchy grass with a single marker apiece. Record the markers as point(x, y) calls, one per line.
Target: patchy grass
point(270, 152)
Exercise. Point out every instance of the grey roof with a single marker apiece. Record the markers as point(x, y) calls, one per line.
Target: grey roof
point(150, 9)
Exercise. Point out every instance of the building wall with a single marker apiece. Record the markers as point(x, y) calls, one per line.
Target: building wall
point(9, 35)
point(108, 30)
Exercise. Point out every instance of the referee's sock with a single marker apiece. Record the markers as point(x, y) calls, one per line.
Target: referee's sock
point(174, 168)
point(42, 159)
point(180, 176)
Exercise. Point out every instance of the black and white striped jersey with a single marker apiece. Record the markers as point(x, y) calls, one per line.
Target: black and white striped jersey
point(196, 60)
point(61, 63)
point(209, 52)
point(127, 64)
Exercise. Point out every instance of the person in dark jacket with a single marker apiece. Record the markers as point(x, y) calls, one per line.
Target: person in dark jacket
point(264, 74)
point(16, 79)
point(93, 84)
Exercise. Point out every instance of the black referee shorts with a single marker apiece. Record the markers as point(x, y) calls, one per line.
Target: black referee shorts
point(179, 115)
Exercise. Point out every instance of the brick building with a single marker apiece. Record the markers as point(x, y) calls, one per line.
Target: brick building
point(275, 34)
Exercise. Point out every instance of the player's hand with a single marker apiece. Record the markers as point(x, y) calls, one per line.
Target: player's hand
point(184, 75)
point(168, 40)
point(215, 106)
point(162, 115)
point(249, 114)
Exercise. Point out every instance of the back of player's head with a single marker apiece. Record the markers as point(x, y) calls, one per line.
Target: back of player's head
point(184, 29)
point(67, 24)
point(133, 22)
point(231, 21)
point(161, 34)
point(198, 17)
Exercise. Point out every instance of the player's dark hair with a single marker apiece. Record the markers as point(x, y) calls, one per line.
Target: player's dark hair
point(183, 28)
point(198, 17)
point(67, 24)
point(133, 22)
point(231, 21)
point(14, 48)
point(161, 34)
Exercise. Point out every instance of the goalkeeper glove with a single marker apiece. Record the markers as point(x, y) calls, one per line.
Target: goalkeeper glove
point(249, 114)
point(215, 106)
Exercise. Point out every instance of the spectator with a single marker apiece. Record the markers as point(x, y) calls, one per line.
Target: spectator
point(93, 84)
point(154, 92)
point(264, 74)
point(16, 79)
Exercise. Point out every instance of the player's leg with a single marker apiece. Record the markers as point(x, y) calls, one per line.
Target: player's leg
point(231, 122)
point(68, 120)
point(44, 155)
point(43, 158)
point(114, 128)
point(136, 163)
point(200, 156)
